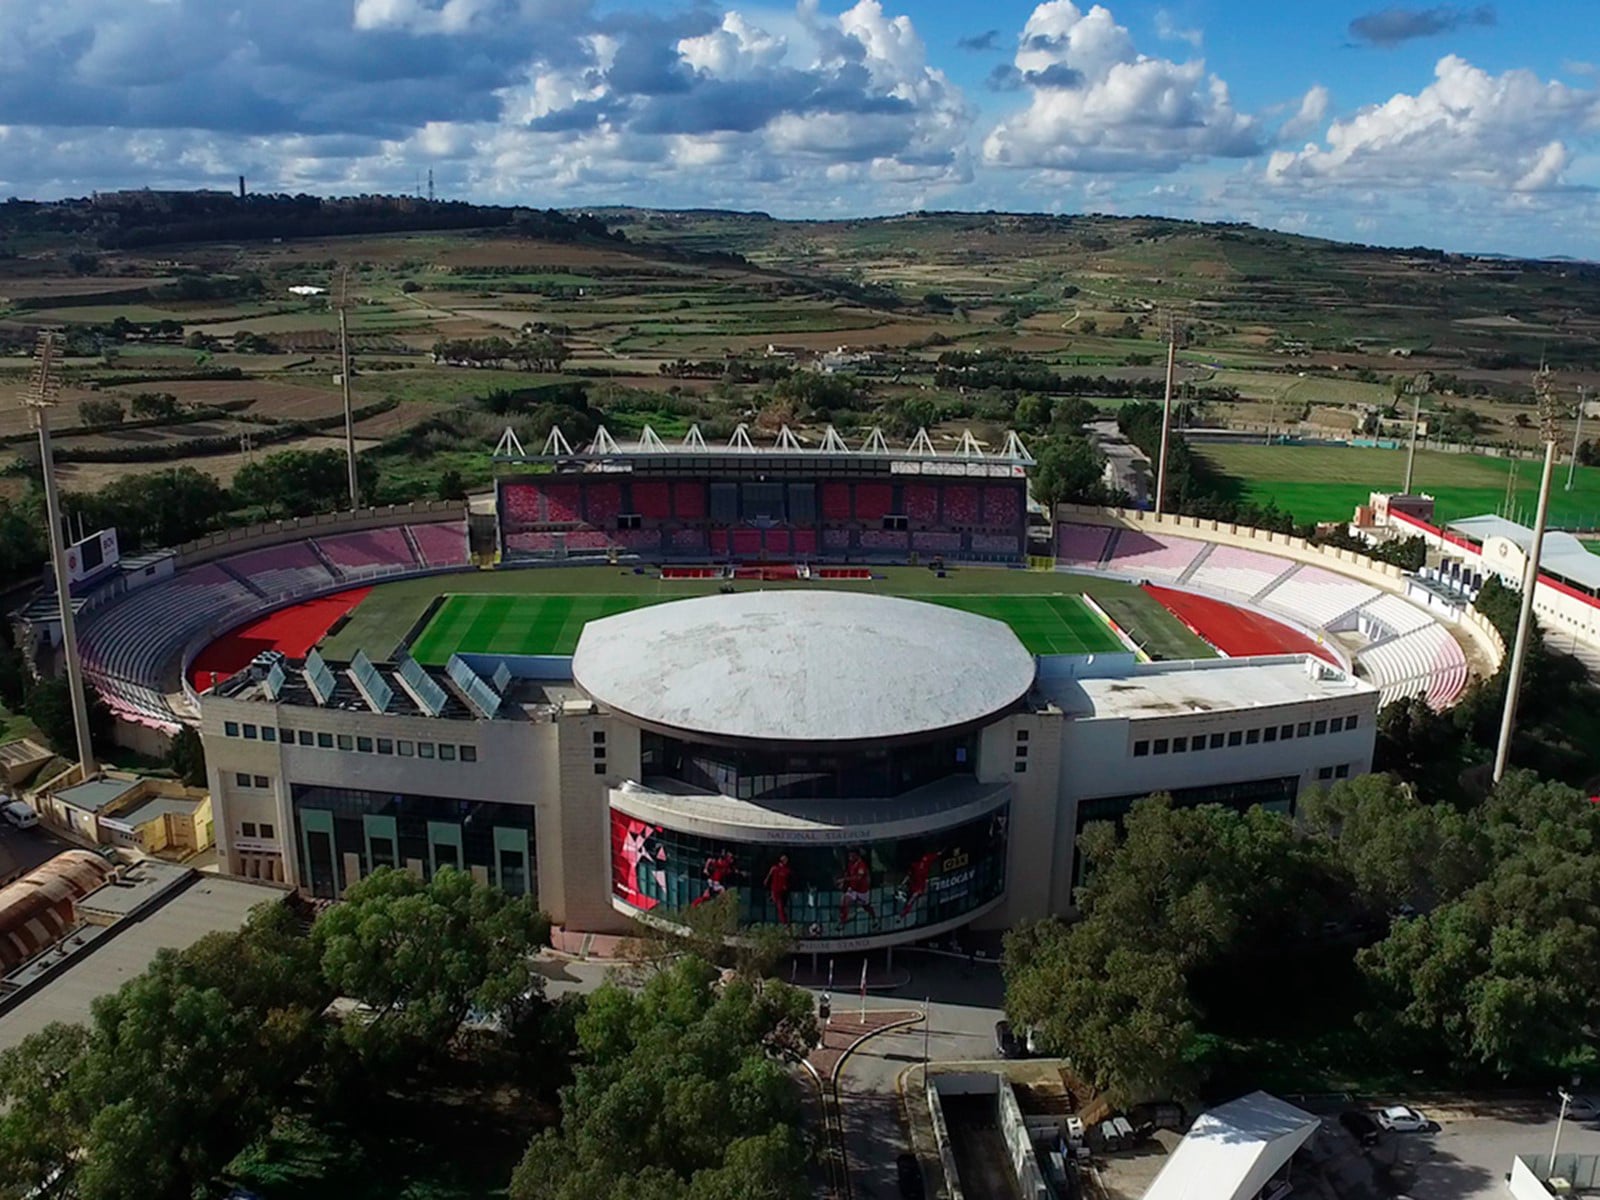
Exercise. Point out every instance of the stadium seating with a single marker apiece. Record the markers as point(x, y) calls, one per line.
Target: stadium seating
point(872, 501)
point(281, 570)
point(778, 542)
point(652, 499)
point(530, 543)
point(640, 541)
point(929, 542)
point(1426, 662)
point(1135, 553)
point(995, 543)
point(961, 506)
point(883, 539)
point(1081, 545)
point(688, 541)
point(719, 542)
point(746, 543)
point(561, 503)
point(1002, 506)
point(836, 541)
point(601, 503)
point(805, 542)
point(836, 502)
point(520, 504)
point(1241, 572)
point(689, 500)
point(588, 540)
point(367, 551)
point(1390, 616)
point(442, 543)
point(921, 503)
point(1318, 598)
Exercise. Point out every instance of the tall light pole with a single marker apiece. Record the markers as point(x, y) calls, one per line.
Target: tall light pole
point(341, 302)
point(1166, 414)
point(39, 399)
point(1577, 432)
point(1530, 575)
point(1418, 385)
point(1566, 1098)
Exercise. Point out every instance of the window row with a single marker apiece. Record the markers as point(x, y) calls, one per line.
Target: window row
point(251, 829)
point(1243, 737)
point(360, 743)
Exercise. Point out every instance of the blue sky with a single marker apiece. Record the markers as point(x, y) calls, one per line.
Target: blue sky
point(1470, 126)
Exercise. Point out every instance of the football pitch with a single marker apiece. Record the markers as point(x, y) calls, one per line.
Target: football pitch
point(535, 624)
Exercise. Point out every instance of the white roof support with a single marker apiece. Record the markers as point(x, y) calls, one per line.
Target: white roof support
point(556, 445)
point(649, 440)
point(832, 443)
point(604, 443)
point(694, 439)
point(922, 445)
point(787, 440)
point(509, 445)
point(741, 438)
point(1015, 449)
point(875, 443)
point(969, 447)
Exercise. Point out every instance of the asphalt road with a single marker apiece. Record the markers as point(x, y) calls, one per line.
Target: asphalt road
point(1468, 1159)
point(23, 849)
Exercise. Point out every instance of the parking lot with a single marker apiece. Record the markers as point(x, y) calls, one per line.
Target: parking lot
point(23, 849)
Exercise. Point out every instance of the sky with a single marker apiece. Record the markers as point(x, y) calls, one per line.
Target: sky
point(1469, 127)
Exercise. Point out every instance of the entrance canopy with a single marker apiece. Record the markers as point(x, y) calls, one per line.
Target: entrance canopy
point(1233, 1150)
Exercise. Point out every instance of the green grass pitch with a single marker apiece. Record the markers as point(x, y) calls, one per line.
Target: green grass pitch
point(533, 624)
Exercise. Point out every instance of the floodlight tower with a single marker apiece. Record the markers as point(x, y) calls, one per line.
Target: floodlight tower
point(1577, 433)
point(1416, 387)
point(39, 398)
point(1549, 414)
point(341, 300)
point(1166, 413)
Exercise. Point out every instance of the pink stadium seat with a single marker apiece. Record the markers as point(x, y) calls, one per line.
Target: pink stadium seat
point(561, 503)
point(588, 539)
point(643, 541)
point(994, 543)
point(652, 498)
point(1141, 554)
point(961, 506)
point(883, 539)
point(280, 569)
point(1002, 505)
point(836, 502)
point(689, 500)
point(520, 504)
point(601, 503)
point(836, 540)
point(1081, 545)
point(805, 542)
point(936, 543)
point(530, 543)
point(922, 503)
point(872, 501)
point(443, 543)
point(689, 540)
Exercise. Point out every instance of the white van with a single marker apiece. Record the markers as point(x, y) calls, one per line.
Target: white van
point(19, 814)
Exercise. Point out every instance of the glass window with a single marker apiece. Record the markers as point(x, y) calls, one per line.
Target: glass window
point(405, 748)
point(1022, 752)
point(1303, 729)
point(305, 737)
point(1198, 743)
point(248, 829)
point(241, 778)
point(1179, 745)
point(599, 751)
point(268, 734)
point(262, 781)
point(249, 732)
point(1021, 766)
point(346, 742)
point(1022, 735)
point(286, 736)
point(1320, 728)
point(1270, 733)
point(1335, 725)
point(424, 749)
point(1286, 732)
point(1350, 722)
point(266, 830)
point(1324, 772)
point(1216, 741)
point(599, 768)
point(230, 729)
point(1141, 749)
point(447, 751)
point(325, 741)
point(1342, 771)
point(469, 754)
point(1236, 737)
point(1252, 736)
point(364, 744)
point(599, 737)
point(385, 745)
point(1161, 745)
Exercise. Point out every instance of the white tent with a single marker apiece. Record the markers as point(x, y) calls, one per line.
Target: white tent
point(1232, 1151)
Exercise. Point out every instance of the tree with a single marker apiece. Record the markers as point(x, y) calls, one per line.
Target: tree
point(297, 483)
point(44, 1111)
point(712, 932)
point(101, 410)
point(451, 486)
point(419, 956)
point(1068, 470)
point(154, 406)
point(164, 508)
point(50, 708)
point(187, 757)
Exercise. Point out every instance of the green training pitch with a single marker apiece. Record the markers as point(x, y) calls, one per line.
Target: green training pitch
point(501, 624)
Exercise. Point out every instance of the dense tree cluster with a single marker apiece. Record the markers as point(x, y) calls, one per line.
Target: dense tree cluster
point(531, 351)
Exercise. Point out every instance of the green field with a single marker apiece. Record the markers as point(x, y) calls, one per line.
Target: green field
point(543, 610)
point(1325, 483)
point(500, 624)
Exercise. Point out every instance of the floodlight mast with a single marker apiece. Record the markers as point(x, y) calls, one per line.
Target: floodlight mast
point(39, 399)
point(1548, 416)
point(1166, 414)
point(341, 297)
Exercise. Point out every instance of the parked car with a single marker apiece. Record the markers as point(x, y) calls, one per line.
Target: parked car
point(1361, 1127)
point(1583, 1108)
point(909, 1172)
point(19, 814)
point(1400, 1118)
point(1006, 1044)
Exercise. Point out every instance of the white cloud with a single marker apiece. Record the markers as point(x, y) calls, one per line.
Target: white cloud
point(1098, 104)
point(1308, 119)
point(1504, 132)
point(734, 50)
point(1168, 31)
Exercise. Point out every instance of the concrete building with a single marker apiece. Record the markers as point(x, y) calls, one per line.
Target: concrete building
point(866, 770)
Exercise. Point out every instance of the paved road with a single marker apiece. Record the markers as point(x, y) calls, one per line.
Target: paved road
point(23, 849)
point(1468, 1159)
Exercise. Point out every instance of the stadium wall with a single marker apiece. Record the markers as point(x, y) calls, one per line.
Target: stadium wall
point(1345, 562)
point(296, 529)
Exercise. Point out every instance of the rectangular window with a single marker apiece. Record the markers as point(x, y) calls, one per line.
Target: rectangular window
point(1252, 736)
point(1335, 725)
point(1022, 751)
point(599, 737)
point(262, 781)
point(1342, 771)
point(1235, 737)
point(324, 741)
point(1270, 733)
point(364, 744)
point(1179, 745)
point(286, 736)
point(346, 742)
point(405, 748)
point(447, 751)
point(1161, 745)
point(268, 734)
point(599, 768)
point(469, 754)
point(385, 745)
point(1324, 772)
point(266, 830)
point(1022, 735)
point(424, 749)
point(1141, 749)
point(241, 778)
point(1286, 732)
point(249, 732)
point(1198, 743)
point(1020, 766)
point(1320, 728)
point(1216, 741)
point(248, 829)
point(1350, 722)
point(305, 737)
point(1303, 729)
point(230, 729)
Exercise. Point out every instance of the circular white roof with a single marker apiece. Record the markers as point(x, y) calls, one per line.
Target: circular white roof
point(802, 666)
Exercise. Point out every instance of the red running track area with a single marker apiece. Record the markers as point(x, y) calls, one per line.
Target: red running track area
point(293, 630)
point(1236, 632)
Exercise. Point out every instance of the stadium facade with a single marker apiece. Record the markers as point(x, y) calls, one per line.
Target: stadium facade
point(864, 769)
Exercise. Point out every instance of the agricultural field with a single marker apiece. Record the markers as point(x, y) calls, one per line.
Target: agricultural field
point(1325, 483)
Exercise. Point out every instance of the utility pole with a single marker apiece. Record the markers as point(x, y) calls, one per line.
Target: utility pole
point(1577, 432)
point(1530, 575)
point(39, 399)
point(342, 301)
point(1420, 384)
point(1166, 413)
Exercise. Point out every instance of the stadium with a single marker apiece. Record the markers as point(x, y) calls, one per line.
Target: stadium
point(851, 686)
